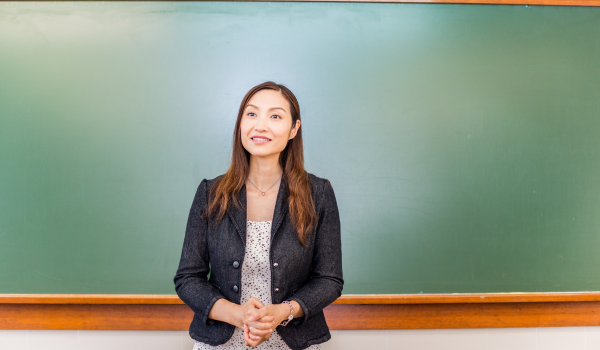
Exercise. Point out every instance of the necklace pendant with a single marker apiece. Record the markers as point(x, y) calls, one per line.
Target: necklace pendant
point(263, 193)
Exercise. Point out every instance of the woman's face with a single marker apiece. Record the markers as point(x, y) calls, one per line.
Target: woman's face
point(266, 124)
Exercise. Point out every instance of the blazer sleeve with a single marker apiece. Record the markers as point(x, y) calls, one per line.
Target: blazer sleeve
point(191, 282)
point(326, 279)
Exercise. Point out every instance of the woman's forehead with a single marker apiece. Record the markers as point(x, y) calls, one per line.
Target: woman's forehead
point(268, 99)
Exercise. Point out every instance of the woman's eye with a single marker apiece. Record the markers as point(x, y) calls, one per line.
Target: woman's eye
point(251, 114)
point(276, 116)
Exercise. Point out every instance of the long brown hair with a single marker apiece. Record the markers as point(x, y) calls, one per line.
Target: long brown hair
point(301, 207)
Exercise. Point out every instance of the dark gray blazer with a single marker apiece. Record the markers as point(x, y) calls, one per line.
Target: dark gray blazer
point(311, 275)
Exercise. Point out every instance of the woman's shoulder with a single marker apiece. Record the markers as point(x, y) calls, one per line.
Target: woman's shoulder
point(209, 182)
point(205, 186)
point(318, 184)
point(213, 180)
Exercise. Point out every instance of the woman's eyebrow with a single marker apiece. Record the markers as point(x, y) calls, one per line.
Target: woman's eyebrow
point(270, 109)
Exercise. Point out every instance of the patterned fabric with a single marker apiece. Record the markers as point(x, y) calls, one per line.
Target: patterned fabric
point(256, 282)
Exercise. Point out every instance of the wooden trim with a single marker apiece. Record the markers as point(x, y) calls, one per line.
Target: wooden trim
point(351, 299)
point(420, 311)
point(439, 316)
point(98, 299)
point(487, 2)
point(483, 298)
point(95, 316)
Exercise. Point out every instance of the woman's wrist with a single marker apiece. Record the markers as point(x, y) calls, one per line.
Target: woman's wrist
point(284, 312)
point(237, 315)
point(228, 312)
point(298, 311)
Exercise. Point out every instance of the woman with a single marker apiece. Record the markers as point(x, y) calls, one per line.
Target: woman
point(269, 235)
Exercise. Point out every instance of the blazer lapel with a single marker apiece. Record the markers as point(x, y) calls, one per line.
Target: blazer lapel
point(238, 215)
point(281, 207)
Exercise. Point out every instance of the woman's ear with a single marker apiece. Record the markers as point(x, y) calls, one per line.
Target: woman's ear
point(295, 130)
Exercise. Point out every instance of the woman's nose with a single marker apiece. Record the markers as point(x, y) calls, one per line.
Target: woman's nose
point(261, 124)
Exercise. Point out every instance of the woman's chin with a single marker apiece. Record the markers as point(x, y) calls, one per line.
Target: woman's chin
point(263, 153)
point(262, 156)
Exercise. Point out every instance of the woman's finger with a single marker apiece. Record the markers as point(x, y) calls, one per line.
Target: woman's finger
point(249, 339)
point(252, 314)
point(256, 303)
point(261, 325)
point(258, 314)
point(260, 332)
point(253, 319)
point(249, 342)
point(252, 333)
point(266, 319)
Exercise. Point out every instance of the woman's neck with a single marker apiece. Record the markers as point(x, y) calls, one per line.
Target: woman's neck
point(264, 172)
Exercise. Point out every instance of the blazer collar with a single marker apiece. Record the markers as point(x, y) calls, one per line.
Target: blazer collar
point(239, 215)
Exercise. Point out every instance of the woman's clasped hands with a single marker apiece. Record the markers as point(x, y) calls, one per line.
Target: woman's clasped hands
point(259, 321)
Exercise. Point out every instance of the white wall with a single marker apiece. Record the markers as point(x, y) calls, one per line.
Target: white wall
point(567, 338)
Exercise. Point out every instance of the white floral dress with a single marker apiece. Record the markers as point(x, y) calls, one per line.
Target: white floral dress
point(256, 282)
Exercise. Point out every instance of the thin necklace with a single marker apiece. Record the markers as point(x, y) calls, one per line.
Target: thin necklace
point(263, 192)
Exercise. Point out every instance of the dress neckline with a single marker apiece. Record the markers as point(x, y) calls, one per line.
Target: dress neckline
point(259, 222)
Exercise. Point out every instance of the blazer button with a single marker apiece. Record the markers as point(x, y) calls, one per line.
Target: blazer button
point(236, 264)
point(277, 289)
point(276, 264)
point(235, 289)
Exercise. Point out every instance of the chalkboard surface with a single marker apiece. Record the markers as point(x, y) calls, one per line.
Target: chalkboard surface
point(462, 141)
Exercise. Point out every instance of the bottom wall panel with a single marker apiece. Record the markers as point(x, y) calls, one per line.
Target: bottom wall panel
point(548, 338)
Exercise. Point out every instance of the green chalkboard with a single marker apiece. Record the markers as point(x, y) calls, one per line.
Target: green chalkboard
point(462, 141)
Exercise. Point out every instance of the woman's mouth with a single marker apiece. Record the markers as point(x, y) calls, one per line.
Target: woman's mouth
point(260, 140)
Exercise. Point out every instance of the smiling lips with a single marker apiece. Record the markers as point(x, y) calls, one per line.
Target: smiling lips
point(259, 140)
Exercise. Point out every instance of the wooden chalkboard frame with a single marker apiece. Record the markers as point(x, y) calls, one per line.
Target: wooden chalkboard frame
point(488, 2)
point(435, 311)
point(349, 312)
